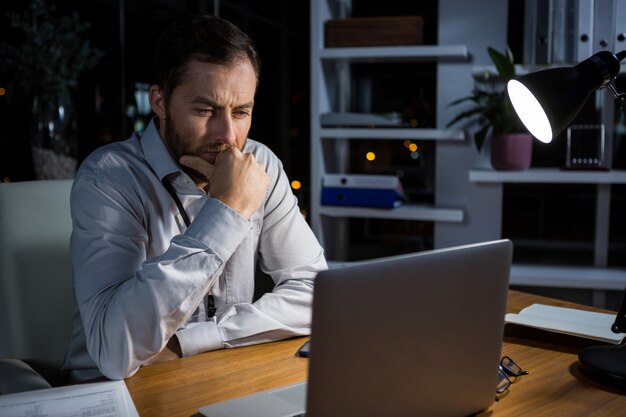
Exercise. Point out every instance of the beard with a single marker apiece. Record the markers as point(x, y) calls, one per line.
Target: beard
point(175, 140)
point(179, 146)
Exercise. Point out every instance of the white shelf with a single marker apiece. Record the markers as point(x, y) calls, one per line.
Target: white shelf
point(523, 69)
point(589, 278)
point(332, 90)
point(520, 69)
point(392, 134)
point(400, 53)
point(568, 277)
point(549, 176)
point(404, 212)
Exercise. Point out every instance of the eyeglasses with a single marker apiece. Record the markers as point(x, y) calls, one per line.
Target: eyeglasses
point(511, 368)
point(508, 372)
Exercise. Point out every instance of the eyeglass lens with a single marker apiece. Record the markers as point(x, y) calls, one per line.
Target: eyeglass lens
point(511, 368)
point(508, 369)
point(503, 382)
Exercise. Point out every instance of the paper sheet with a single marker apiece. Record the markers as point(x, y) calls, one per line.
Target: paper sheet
point(100, 399)
point(570, 321)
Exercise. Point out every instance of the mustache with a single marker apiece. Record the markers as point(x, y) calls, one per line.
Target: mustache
point(214, 148)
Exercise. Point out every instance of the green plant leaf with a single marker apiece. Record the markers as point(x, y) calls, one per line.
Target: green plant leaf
point(465, 115)
point(461, 100)
point(480, 136)
point(504, 63)
point(492, 111)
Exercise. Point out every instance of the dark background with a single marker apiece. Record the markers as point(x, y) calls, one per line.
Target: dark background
point(560, 214)
point(280, 29)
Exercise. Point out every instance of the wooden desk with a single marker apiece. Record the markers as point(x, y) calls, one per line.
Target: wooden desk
point(553, 388)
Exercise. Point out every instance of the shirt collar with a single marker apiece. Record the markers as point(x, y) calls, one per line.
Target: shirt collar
point(157, 155)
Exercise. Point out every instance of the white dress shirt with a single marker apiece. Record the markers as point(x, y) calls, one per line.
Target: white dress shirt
point(140, 275)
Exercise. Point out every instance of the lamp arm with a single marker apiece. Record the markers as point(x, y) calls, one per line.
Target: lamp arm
point(620, 98)
point(619, 326)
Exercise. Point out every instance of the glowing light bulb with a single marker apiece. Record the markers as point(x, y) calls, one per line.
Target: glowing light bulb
point(530, 111)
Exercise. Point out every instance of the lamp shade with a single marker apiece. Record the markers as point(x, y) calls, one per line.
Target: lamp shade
point(547, 101)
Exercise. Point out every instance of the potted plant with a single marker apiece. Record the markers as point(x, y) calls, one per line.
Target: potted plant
point(511, 144)
point(45, 63)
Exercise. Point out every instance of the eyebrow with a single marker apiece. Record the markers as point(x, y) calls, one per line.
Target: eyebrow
point(206, 101)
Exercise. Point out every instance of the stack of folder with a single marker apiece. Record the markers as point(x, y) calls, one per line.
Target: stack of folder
point(379, 191)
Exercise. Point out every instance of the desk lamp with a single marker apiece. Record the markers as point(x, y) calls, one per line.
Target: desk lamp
point(546, 102)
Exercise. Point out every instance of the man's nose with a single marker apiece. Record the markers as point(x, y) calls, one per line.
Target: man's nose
point(223, 129)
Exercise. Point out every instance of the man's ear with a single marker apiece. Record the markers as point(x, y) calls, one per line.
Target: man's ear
point(157, 101)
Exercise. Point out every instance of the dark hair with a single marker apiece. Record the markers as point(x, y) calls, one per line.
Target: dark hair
point(204, 38)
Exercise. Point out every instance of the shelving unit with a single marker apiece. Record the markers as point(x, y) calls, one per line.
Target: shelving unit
point(391, 134)
point(560, 276)
point(548, 176)
point(467, 206)
point(330, 91)
point(405, 212)
point(597, 277)
point(393, 53)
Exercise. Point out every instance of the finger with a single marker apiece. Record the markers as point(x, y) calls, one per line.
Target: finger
point(199, 165)
point(232, 152)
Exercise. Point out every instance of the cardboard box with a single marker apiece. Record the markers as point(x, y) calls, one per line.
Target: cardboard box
point(374, 31)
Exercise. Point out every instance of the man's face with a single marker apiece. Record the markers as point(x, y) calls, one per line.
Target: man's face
point(209, 111)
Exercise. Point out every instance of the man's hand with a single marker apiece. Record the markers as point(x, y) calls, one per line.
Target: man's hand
point(236, 179)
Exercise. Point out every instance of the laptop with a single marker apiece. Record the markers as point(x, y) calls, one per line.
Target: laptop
point(411, 335)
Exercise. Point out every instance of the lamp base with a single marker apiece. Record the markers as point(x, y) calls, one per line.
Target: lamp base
point(605, 365)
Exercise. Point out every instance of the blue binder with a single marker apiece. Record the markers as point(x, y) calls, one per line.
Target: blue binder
point(361, 197)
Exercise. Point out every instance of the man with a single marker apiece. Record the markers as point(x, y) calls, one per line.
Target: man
point(168, 227)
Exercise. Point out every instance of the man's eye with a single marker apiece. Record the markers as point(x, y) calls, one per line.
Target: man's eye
point(241, 114)
point(205, 111)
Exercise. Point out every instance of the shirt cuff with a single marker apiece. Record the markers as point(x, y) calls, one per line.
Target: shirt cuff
point(216, 219)
point(199, 337)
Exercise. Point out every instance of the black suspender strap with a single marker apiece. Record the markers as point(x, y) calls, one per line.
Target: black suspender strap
point(211, 309)
point(170, 189)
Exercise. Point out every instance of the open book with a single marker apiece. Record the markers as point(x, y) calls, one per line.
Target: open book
point(570, 321)
point(97, 399)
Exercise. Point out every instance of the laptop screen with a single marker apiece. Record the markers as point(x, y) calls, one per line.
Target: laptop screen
point(414, 335)
point(419, 334)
